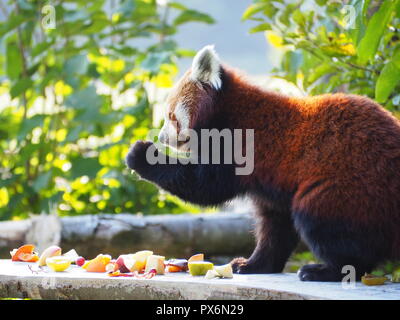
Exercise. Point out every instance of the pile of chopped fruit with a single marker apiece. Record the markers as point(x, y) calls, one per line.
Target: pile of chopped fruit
point(142, 264)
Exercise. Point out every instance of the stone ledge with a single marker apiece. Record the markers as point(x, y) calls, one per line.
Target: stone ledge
point(17, 280)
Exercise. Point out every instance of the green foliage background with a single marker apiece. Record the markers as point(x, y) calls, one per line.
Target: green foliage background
point(329, 46)
point(65, 133)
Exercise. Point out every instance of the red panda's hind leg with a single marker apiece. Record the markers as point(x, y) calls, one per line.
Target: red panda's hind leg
point(340, 243)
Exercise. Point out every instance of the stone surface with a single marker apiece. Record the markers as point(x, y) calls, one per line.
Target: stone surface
point(17, 280)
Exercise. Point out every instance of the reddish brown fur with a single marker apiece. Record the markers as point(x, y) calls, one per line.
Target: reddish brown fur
point(349, 143)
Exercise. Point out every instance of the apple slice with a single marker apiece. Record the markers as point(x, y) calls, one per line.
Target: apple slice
point(155, 262)
point(120, 262)
point(51, 251)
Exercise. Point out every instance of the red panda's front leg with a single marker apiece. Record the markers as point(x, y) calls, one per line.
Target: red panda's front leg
point(276, 239)
point(202, 184)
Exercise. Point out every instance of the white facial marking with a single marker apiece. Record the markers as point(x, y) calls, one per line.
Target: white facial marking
point(182, 116)
point(169, 132)
point(206, 66)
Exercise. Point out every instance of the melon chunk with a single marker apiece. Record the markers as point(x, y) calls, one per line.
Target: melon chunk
point(199, 268)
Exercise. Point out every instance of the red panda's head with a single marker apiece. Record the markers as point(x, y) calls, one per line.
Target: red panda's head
point(192, 98)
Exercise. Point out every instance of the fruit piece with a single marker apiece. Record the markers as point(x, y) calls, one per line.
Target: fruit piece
point(141, 258)
point(371, 280)
point(119, 274)
point(58, 263)
point(182, 264)
point(173, 269)
point(121, 263)
point(147, 275)
point(29, 257)
point(211, 274)
point(396, 276)
point(135, 274)
point(197, 257)
point(111, 267)
point(224, 271)
point(51, 251)
point(155, 262)
point(24, 253)
point(72, 254)
point(199, 268)
point(80, 261)
point(97, 264)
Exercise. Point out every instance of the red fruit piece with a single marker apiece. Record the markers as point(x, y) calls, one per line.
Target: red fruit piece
point(80, 261)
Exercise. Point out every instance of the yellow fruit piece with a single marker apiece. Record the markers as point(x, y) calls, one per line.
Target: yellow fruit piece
point(371, 280)
point(155, 262)
point(58, 263)
point(140, 258)
point(199, 268)
point(224, 271)
point(197, 257)
point(97, 264)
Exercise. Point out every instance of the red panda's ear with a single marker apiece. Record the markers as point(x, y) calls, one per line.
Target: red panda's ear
point(206, 67)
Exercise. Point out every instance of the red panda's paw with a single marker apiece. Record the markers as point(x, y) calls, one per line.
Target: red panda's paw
point(241, 266)
point(137, 156)
point(319, 272)
point(237, 263)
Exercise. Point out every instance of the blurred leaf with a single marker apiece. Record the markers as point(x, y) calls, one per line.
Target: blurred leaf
point(14, 60)
point(254, 9)
point(85, 167)
point(86, 98)
point(42, 181)
point(77, 64)
point(261, 27)
point(13, 21)
point(176, 5)
point(154, 61)
point(29, 124)
point(387, 81)
point(369, 43)
point(192, 16)
point(20, 86)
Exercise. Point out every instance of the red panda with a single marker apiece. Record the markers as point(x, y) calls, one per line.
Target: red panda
point(326, 169)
